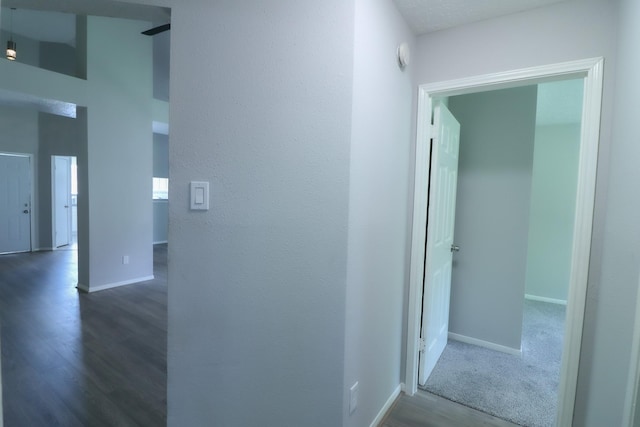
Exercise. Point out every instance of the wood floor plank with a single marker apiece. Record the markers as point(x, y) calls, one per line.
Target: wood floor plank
point(72, 359)
point(428, 410)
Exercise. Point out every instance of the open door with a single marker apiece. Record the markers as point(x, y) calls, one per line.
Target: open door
point(62, 200)
point(15, 203)
point(443, 183)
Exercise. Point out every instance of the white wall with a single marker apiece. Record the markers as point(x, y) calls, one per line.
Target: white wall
point(59, 58)
point(260, 108)
point(561, 32)
point(629, 33)
point(160, 221)
point(379, 180)
point(614, 293)
point(119, 154)
point(497, 131)
point(160, 155)
point(553, 206)
point(161, 59)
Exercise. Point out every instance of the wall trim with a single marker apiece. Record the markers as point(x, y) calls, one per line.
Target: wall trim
point(545, 299)
point(486, 344)
point(88, 290)
point(592, 71)
point(160, 242)
point(387, 405)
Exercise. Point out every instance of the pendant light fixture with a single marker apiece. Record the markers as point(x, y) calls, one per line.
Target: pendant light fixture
point(11, 45)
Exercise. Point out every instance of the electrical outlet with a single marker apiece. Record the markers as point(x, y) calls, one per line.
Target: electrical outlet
point(353, 397)
point(125, 259)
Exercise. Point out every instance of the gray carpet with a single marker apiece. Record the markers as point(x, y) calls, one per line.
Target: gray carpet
point(520, 390)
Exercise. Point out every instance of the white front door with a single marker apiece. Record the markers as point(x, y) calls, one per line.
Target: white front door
point(439, 246)
point(15, 203)
point(62, 200)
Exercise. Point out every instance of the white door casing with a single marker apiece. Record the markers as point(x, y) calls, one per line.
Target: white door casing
point(15, 203)
point(439, 247)
point(592, 71)
point(61, 201)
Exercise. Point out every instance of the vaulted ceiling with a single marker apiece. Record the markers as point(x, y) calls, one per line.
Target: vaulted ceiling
point(425, 16)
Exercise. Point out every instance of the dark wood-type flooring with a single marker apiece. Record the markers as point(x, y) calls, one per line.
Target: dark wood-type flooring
point(72, 359)
point(428, 410)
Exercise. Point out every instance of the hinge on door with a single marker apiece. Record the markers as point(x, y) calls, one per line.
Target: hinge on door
point(422, 345)
point(433, 130)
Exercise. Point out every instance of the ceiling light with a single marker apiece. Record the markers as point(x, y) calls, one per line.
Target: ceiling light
point(11, 45)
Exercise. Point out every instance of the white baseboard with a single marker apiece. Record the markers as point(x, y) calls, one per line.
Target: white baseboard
point(87, 289)
point(42, 249)
point(161, 242)
point(545, 299)
point(387, 405)
point(486, 344)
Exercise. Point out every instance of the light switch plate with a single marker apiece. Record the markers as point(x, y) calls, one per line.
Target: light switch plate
point(199, 196)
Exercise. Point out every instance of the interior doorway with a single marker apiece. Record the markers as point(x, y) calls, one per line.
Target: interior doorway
point(64, 197)
point(591, 71)
point(516, 184)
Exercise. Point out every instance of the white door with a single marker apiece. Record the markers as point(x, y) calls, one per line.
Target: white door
point(439, 247)
point(15, 203)
point(62, 200)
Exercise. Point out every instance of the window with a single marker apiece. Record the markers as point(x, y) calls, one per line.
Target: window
point(160, 188)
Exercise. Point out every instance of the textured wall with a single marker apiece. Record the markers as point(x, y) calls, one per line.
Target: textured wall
point(260, 108)
point(380, 171)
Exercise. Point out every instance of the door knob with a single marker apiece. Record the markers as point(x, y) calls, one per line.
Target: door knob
point(25, 211)
point(455, 248)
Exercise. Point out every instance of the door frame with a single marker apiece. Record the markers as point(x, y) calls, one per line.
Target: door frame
point(592, 71)
point(32, 176)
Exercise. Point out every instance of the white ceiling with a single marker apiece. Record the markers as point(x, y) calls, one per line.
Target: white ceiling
point(425, 16)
